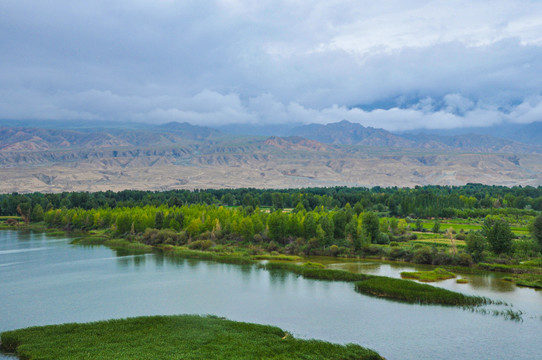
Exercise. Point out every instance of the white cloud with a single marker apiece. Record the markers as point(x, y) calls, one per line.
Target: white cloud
point(440, 63)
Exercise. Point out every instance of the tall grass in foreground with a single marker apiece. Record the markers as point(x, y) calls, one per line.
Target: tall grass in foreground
point(171, 337)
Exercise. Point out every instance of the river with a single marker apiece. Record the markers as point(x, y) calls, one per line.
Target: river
point(45, 280)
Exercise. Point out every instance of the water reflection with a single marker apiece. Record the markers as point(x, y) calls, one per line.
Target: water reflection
point(131, 261)
point(486, 282)
point(79, 284)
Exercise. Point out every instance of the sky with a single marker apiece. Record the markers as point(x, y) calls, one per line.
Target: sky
point(391, 64)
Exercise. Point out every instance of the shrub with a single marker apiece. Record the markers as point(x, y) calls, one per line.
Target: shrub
point(443, 258)
point(424, 255)
point(383, 239)
point(333, 250)
point(397, 253)
point(465, 259)
point(201, 245)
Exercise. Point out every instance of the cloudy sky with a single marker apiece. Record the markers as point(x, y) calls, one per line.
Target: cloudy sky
point(393, 64)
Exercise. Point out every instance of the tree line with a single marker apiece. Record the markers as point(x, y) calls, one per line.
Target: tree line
point(471, 200)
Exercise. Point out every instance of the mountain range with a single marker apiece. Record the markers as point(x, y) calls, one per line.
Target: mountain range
point(339, 133)
point(181, 155)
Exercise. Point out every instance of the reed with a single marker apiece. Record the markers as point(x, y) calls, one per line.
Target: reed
point(171, 337)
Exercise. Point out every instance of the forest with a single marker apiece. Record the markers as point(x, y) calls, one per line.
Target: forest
point(426, 225)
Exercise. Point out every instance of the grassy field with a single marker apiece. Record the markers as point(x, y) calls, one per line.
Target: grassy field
point(171, 337)
point(416, 293)
point(384, 287)
point(428, 276)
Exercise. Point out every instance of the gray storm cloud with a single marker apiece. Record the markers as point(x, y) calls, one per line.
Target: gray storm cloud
point(436, 64)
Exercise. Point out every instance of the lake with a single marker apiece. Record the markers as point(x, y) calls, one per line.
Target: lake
point(46, 280)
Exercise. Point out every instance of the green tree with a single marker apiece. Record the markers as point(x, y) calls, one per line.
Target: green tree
point(309, 226)
point(339, 221)
point(371, 225)
point(276, 224)
point(476, 245)
point(247, 229)
point(436, 227)
point(24, 210)
point(123, 223)
point(327, 225)
point(37, 213)
point(358, 208)
point(536, 229)
point(159, 220)
point(499, 235)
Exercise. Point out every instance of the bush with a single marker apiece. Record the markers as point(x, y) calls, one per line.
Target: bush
point(165, 236)
point(397, 253)
point(442, 258)
point(383, 239)
point(465, 259)
point(201, 245)
point(333, 250)
point(424, 255)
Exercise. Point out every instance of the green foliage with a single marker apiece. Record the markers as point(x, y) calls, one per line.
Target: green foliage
point(436, 227)
point(437, 274)
point(37, 213)
point(476, 245)
point(171, 337)
point(371, 225)
point(536, 229)
point(412, 292)
point(499, 235)
point(276, 224)
point(164, 236)
point(201, 245)
point(159, 220)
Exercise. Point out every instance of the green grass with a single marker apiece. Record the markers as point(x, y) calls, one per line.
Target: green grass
point(441, 241)
point(280, 257)
point(171, 337)
point(128, 245)
point(416, 293)
point(527, 280)
point(524, 268)
point(315, 272)
point(206, 255)
point(89, 240)
point(428, 276)
point(462, 281)
point(384, 287)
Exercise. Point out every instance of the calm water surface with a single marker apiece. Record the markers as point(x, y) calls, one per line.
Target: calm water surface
point(46, 280)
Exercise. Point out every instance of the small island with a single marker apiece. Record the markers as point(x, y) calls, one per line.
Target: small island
point(171, 337)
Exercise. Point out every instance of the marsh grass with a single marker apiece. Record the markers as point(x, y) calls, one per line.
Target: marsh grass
point(171, 337)
point(416, 293)
point(122, 244)
point(315, 272)
point(527, 280)
point(89, 240)
point(437, 274)
point(384, 287)
point(280, 257)
point(207, 255)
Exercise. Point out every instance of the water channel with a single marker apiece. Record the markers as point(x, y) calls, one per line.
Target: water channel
point(45, 280)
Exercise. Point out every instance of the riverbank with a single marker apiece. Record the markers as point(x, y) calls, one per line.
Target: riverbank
point(528, 274)
point(171, 337)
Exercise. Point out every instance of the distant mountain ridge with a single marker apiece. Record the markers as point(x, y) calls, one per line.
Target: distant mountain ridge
point(40, 139)
point(347, 133)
